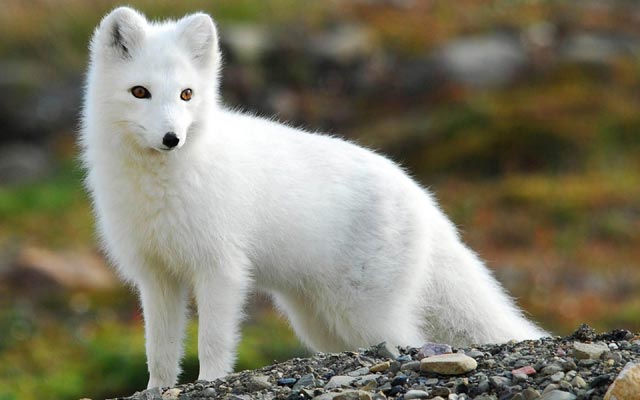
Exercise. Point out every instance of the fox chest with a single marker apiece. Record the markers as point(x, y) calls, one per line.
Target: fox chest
point(173, 228)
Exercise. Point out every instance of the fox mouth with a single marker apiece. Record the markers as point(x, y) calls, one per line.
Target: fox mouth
point(164, 149)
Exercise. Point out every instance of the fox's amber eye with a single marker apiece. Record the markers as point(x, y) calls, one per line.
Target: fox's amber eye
point(140, 92)
point(186, 94)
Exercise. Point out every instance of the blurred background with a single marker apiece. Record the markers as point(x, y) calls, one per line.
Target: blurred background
point(522, 116)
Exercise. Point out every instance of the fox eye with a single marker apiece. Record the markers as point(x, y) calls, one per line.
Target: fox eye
point(186, 94)
point(140, 92)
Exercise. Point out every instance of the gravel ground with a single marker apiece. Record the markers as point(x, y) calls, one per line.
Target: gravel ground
point(580, 366)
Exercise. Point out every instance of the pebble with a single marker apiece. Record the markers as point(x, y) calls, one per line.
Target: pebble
point(345, 395)
point(399, 380)
point(381, 367)
point(441, 391)
point(551, 369)
point(626, 385)
point(499, 381)
point(305, 381)
point(475, 353)
point(586, 351)
point(416, 394)
point(171, 394)
point(578, 382)
point(518, 378)
point(557, 377)
point(359, 372)
point(528, 370)
point(385, 350)
point(258, 382)
point(286, 382)
point(403, 358)
point(434, 349)
point(366, 380)
point(339, 381)
point(558, 395)
point(515, 371)
point(530, 394)
point(410, 366)
point(448, 364)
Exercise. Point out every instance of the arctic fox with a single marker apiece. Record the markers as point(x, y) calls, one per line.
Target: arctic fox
point(192, 198)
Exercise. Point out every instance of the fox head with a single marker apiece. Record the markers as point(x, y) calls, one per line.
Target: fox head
point(154, 81)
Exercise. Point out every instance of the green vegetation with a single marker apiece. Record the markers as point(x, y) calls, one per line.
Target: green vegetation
point(87, 343)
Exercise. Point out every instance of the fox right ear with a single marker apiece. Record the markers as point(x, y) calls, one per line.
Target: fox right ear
point(120, 32)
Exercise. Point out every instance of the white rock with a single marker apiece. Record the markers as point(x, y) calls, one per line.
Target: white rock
point(589, 350)
point(416, 394)
point(448, 364)
point(171, 394)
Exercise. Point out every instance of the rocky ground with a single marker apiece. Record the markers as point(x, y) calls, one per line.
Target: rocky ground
point(584, 365)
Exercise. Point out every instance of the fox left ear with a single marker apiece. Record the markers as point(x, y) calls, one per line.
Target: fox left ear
point(198, 33)
point(120, 33)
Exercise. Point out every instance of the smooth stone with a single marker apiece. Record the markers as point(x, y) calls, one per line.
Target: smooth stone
point(399, 380)
point(441, 391)
point(558, 395)
point(385, 350)
point(530, 394)
point(551, 369)
point(208, 393)
point(345, 395)
point(587, 363)
point(626, 385)
point(258, 382)
point(367, 379)
point(395, 390)
point(475, 353)
point(304, 381)
point(527, 370)
point(588, 351)
point(483, 386)
point(359, 372)
point(578, 382)
point(557, 377)
point(410, 366)
point(499, 381)
point(485, 397)
point(416, 394)
point(339, 381)
point(353, 395)
point(569, 365)
point(286, 382)
point(517, 378)
point(448, 364)
point(381, 367)
point(384, 388)
point(550, 387)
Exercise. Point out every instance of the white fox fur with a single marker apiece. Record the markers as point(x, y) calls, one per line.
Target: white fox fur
point(351, 249)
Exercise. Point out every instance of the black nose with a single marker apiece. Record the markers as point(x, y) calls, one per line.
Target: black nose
point(170, 140)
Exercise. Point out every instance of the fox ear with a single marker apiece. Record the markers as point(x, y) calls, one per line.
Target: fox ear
point(199, 35)
point(121, 32)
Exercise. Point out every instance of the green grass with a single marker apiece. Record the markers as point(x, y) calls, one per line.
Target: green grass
point(54, 211)
point(58, 353)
